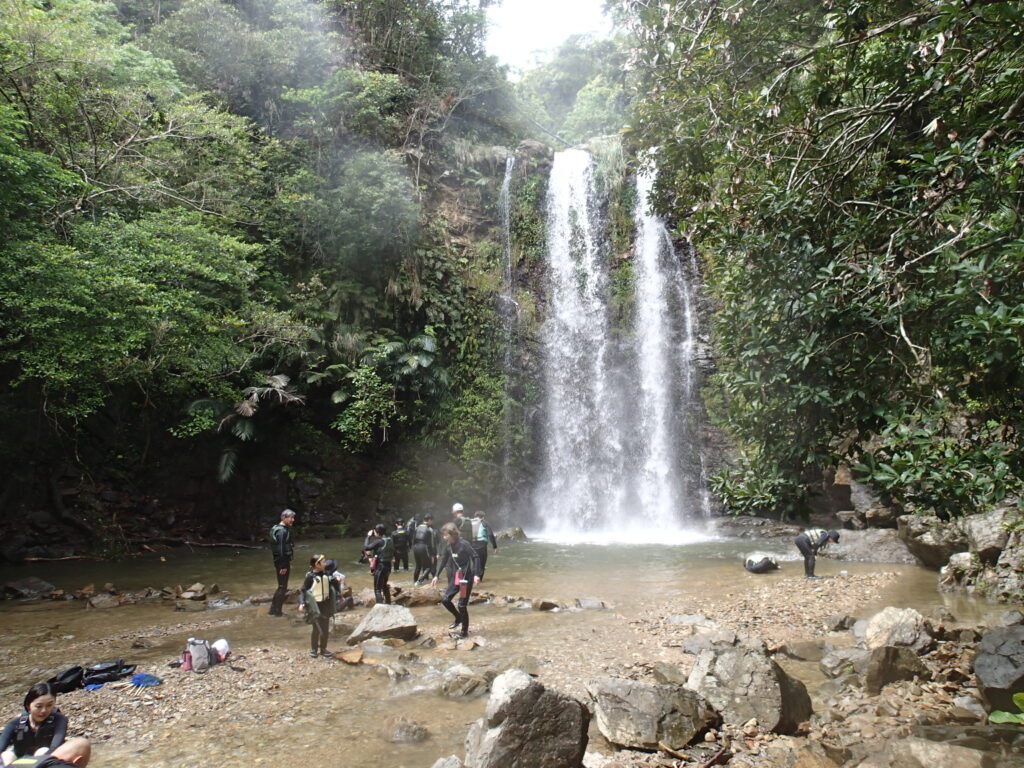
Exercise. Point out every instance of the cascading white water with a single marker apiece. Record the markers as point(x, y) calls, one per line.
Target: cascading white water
point(508, 311)
point(620, 446)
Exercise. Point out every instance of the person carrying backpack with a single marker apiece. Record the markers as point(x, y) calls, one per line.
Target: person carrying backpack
point(317, 599)
point(282, 549)
point(400, 538)
point(380, 550)
point(482, 535)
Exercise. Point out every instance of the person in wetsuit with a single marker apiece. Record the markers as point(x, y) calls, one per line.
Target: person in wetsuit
point(482, 534)
point(424, 549)
point(40, 728)
point(380, 550)
point(809, 542)
point(400, 538)
point(463, 566)
point(317, 599)
point(282, 549)
point(462, 523)
point(73, 753)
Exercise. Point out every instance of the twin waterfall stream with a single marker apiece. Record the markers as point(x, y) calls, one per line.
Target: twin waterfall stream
point(620, 432)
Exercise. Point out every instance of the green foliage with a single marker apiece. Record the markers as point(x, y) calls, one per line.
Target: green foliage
point(369, 409)
point(598, 109)
point(852, 174)
point(998, 716)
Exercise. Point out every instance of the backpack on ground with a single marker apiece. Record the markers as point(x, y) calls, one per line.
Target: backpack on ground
point(68, 680)
point(198, 656)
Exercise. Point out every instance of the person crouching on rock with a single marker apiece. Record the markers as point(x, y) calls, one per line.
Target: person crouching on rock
point(380, 549)
point(756, 563)
point(39, 729)
point(462, 563)
point(809, 542)
point(317, 599)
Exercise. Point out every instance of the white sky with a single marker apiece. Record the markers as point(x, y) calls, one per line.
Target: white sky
point(520, 29)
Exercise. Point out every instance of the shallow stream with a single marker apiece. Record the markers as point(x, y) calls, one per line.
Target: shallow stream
point(338, 721)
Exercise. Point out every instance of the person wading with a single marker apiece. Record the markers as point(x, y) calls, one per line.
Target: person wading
point(482, 535)
point(461, 562)
point(379, 548)
point(424, 549)
point(282, 550)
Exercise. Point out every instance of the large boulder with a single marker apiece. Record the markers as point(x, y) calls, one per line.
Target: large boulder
point(839, 662)
point(951, 746)
point(28, 588)
point(890, 663)
point(930, 540)
point(414, 597)
point(742, 682)
point(639, 715)
point(459, 681)
point(1008, 578)
point(875, 545)
point(899, 627)
point(999, 667)
point(987, 533)
point(527, 725)
point(385, 621)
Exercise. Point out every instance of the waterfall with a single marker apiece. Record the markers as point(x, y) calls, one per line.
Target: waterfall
point(508, 312)
point(621, 447)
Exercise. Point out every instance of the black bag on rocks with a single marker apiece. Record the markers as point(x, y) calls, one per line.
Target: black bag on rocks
point(107, 672)
point(68, 680)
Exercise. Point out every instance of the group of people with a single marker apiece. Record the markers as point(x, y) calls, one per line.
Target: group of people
point(37, 737)
point(460, 548)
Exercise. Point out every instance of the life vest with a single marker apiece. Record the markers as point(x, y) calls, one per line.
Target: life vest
point(321, 587)
point(424, 533)
point(41, 736)
point(25, 761)
point(386, 552)
point(814, 535)
point(289, 550)
point(483, 533)
point(465, 526)
point(400, 537)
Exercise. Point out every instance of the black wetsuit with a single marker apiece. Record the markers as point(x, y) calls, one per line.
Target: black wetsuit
point(324, 594)
point(484, 534)
point(282, 550)
point(763, 565)
point(383, 550)
point(424, 547)
point(400, 538)
point(460, 558)
point(809, 542)
point(19, 736)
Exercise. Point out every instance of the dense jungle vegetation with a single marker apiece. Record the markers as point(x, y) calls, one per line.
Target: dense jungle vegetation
point(851, 172)
point(253, 236)
point(248, 244)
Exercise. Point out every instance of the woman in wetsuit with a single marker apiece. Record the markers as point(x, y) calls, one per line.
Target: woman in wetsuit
point(40, 727)
point(317, 599)
point(379, 548)
point(463, 566)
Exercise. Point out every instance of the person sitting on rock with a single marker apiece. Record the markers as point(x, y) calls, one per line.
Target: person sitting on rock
point(38, 730)
point(758, 563)
point(809, 542)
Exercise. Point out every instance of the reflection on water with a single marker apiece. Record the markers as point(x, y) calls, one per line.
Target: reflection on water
point(44, 637)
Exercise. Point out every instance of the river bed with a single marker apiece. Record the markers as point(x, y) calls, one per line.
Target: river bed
point(284, 704)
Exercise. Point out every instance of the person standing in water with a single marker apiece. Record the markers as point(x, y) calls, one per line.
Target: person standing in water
point(381, 551)
point(461, 562)
point(809, 542)
point(462, 523)
point(424, 549)
point(282, 549)
point(317, 599)
point(400, 538)
point(38, 730)
point(482, 535)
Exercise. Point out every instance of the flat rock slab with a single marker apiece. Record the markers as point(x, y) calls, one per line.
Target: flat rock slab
point(385, 621)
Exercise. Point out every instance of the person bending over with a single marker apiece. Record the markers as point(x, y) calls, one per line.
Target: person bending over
point(38, 730)
point(809, 542)
point(460, 560)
